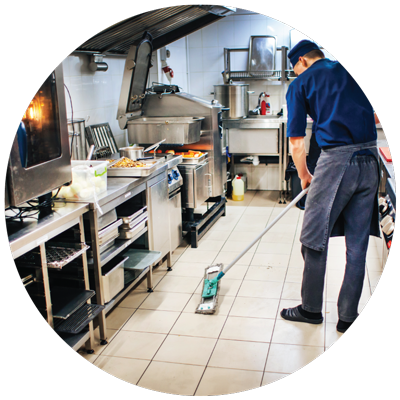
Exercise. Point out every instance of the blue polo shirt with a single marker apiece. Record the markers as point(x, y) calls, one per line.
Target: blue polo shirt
point(341, 112)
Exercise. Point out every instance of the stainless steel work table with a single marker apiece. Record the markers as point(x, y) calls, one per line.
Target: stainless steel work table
point(29, 234)
point(257, 135)
point(119, 190)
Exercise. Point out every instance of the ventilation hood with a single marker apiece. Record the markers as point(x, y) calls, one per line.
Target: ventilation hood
point(165, 25)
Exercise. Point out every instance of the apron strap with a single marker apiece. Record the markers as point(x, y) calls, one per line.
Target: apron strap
point(352, 147)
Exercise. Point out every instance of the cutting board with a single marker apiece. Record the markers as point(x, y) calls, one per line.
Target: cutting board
point(386, 153)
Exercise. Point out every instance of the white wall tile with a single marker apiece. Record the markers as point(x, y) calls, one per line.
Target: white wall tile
point(178, 43)
point(273, 177)
point(242, 32)
point(239, 61)
point(213, 59)
point(226, 34)
point(258, 17)
point(177, 61)
point(259, 177)
point(195, 59)
point(258, 27)
point(195, 39)
point(209, 36)
point(196, 84)
point(210, 79)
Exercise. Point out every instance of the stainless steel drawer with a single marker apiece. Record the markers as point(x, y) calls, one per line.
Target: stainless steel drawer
point(253, 141)
point(196, 187)
point(113, 277)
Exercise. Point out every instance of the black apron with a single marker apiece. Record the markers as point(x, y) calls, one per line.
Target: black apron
point(332, 165)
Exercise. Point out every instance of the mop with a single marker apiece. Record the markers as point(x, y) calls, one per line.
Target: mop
point(214, 273)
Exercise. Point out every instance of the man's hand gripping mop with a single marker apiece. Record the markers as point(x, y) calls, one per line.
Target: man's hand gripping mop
point(214, 273)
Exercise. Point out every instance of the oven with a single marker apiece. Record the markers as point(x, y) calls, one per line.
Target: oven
point(40, 157)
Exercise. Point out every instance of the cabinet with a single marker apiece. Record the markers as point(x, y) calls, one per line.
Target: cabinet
point(45, 265)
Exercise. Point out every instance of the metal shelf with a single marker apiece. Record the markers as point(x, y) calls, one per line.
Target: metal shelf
point(258, 75)
point(65, 300)
point(57, 257)
point(79, 319)
point(141, 259)
point(272, 75)
point(119, 245)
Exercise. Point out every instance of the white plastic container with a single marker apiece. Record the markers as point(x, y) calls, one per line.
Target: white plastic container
point(238, 189)
point(89, 179)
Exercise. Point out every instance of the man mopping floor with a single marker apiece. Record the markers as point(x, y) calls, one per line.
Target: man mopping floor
point(342, 198)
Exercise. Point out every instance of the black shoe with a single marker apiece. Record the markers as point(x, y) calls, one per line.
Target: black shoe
point(342, 326)
point(293, 314)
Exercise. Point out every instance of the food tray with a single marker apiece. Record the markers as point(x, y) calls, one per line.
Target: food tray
point(135, 221)
point(193, 160)
point(102, 220)
point(135, 172)
point(125, 234)
point(110, 232)
point(105, 246)
point(127, 219)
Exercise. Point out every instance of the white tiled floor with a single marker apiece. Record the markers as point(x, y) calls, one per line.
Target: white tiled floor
point(156, 340)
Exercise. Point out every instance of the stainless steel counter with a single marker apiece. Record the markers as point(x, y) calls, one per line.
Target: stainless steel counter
point(27, 234)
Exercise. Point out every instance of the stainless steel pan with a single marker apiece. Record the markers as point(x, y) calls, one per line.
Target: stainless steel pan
point(135, 153)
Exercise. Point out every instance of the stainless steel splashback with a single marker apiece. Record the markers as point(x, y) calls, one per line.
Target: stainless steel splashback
point(211, 139)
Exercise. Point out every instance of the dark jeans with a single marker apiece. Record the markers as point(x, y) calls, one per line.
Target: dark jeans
point(355, 200)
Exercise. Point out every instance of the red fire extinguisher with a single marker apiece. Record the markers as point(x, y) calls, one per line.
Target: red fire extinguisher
point(264, 105)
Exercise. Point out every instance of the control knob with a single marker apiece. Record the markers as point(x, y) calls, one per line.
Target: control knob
point(175, 174)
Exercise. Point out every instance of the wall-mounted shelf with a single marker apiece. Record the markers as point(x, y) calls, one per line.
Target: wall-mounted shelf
point(273, 75)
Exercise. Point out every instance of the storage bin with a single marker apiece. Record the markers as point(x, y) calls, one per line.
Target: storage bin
point(112, 277)
point(89, 178)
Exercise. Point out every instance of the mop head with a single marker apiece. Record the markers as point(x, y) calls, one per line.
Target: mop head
point(209, 295)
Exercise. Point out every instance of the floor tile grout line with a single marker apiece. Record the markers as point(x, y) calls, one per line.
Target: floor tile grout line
point(226, 319)
point(152, 359)
point(280, 299)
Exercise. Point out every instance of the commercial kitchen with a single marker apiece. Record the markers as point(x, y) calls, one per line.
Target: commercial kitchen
point(121, 190)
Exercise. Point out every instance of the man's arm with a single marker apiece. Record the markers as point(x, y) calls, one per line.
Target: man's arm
point(299, 158)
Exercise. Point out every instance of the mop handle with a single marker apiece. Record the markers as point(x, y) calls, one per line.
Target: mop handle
point(286, 209)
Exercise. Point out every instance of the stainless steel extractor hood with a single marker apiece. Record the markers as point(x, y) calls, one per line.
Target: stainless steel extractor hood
point(165, 25)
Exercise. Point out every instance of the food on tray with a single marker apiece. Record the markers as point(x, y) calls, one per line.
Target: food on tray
point(190, 154)
point(125, 162)
point(170, 151)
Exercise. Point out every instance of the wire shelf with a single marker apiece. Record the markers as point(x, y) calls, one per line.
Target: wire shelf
point(57, 257)
point(78, 320)
point(236, 75)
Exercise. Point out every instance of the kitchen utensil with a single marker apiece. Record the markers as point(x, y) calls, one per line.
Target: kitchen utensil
point(90, 154)
point(136, 153)
point(213, 273)
point(100, 135)
point(262, 55)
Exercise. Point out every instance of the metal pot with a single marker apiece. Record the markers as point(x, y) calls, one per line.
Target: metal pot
point(234, 97)
point(135, 153)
